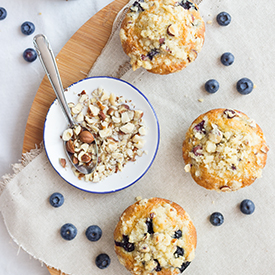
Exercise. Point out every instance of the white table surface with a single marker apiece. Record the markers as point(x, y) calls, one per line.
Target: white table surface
point(19, 82)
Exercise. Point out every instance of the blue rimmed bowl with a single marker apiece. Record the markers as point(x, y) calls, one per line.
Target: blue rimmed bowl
point(55, 124)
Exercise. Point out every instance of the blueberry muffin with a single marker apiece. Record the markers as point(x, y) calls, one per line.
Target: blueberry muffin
point(224, 150)
point(155, 236)
point(162, 36)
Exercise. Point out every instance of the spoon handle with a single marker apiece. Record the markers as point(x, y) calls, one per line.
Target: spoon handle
point(47, 59)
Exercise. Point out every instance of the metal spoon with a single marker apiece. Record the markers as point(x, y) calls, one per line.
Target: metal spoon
point(47, 59)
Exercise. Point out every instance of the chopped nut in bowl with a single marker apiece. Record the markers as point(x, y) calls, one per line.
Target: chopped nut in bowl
point(125, 128)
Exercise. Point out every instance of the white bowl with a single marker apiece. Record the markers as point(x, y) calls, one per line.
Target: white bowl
point(56, 123)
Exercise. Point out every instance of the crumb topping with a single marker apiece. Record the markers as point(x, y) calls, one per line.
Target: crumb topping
point(164, 31)
point(226, 147)
point(159, 242)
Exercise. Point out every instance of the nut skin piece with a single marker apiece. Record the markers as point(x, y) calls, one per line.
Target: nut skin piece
point(102, 115)
point(110, 111)
point(100, 105)
point(171, 30)
point(123, 108)
point(75, 160)
point(86, 137)
point(63, 162)
point(86, 158)
point(70, 146)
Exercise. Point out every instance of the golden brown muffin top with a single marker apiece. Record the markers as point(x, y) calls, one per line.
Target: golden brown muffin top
point(224, 150)
point(155, 235)
point(163, 36)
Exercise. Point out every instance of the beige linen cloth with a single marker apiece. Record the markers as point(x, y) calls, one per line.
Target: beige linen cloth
point(243, 244)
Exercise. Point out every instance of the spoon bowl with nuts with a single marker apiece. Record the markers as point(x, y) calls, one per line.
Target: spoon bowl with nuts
point(75, 137)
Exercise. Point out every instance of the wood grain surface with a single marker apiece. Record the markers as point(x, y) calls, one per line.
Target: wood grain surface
point(74, 62)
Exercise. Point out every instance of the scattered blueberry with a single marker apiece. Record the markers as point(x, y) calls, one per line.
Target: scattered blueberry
point(223, 18)
point(212, 86)
point(27, 28)
point(227, 59)
point(3, 13)
point(30, 55)
point(68, 231)
point(247, 207)
point(216, 219)
point(93, 233)
point(244, 86)
point(56, 199)
point(102, 261)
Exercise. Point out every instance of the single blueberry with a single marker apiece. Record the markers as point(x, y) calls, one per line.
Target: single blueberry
point(152, 53)
point(216, 219)
point(137, 7)
point(3, 13)
point(247, 207)
point(227, 59)
point(68, 231)
point(125, 244)
point(244, 86)
point(184, 266)
point(178, 234)
point(27, 28)
point(187, 5)
point(230, 113)
point(158, 267)
point(212, 86)
point(102, 261)
point(200, 127)
point(149, 223)
point(56, 199)
point(93, 233)
point(179, 252)
point(223, 18)
point(29, 55)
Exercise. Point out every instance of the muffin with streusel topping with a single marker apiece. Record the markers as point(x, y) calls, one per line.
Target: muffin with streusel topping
point(224, 150)
point(162, 36)
point(155, 236)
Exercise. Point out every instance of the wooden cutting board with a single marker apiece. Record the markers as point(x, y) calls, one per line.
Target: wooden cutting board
point(74, 62)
